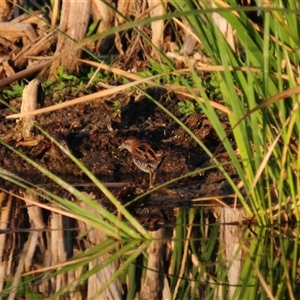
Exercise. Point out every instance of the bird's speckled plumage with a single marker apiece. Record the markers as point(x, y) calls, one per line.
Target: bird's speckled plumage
point(143, 155)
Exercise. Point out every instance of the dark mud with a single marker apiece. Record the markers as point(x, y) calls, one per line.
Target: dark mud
point(93, 132)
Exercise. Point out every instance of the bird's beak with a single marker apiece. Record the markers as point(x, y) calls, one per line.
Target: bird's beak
point(121, 147)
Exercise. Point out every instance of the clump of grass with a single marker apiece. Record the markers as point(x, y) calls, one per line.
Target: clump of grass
point(264, 125)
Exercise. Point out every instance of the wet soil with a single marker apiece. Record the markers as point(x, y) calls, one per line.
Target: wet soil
point(94, 131)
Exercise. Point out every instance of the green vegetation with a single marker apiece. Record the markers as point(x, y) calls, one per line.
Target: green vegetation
point(16, 91)
point(262, 123)
point(64, 84)
point(188, 107)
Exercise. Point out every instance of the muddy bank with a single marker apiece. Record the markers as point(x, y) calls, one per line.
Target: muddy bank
point(94, 131)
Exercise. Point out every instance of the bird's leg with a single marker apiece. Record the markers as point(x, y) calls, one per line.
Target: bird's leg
point(151, 179)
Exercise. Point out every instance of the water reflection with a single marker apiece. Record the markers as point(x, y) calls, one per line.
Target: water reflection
point(200, 254)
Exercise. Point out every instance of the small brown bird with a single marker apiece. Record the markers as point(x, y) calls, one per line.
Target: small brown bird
point(144, 156)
